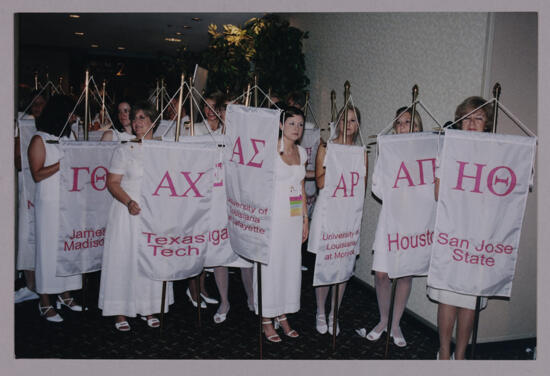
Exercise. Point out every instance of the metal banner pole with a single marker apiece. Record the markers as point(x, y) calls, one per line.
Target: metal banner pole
point(335, 316)
point(474, 330)
point(390, 317)
point(162, 302)
point(413, 110)
point(260, 311)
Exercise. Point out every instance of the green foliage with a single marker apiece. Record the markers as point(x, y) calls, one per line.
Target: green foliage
point(267, 46)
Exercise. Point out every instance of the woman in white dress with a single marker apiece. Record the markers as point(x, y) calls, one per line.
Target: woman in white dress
point(452, 306)
point(383, 284)
point(124, 290)
point(122, 126)
point(321, 292)
point(44, 166)
point(282, 276)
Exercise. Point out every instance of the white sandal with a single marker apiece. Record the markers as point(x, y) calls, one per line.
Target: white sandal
point(44, 311)
point(153, 322)
point(69, 303)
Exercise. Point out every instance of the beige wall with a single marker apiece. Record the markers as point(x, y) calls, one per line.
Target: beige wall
point(448, 55)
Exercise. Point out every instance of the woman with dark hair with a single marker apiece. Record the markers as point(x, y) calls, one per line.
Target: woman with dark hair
point(44, 166)
point(282, 276)
point(321, 292)
point(401, 125)
point(452, 306)
point(124, 290)
point(122, 126)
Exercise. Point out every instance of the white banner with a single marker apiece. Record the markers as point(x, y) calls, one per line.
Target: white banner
point(310, 141)
point(250, 153)
point(176, 194)
point(484, 181)
point(25, 236)
point(84, 205)
point(336, 223)
point(403, 178)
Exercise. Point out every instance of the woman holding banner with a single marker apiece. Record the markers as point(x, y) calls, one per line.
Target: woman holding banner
point(124, 290)
point(282, 276)
point(452, 306)
point(402, 124)
point(321, 292)
point(44, 160)
point(122, 126)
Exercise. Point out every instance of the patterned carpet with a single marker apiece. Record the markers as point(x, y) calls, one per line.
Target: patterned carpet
point(92, 336)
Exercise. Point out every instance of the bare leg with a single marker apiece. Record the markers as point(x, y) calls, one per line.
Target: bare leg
point(402, 292)
point(383, 295)
point(221, 274)
point(446, 316)
point(464, 325)
point(247, 278)
point(341, 289)
point(29, 277)
point(321, 294)
point(45, 302)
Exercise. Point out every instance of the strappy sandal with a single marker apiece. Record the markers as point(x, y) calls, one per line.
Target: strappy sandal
point(152, 322)
point(122, 326)
point(69, 303)
point(291, 333)
point(274, 337)
point(44, 313)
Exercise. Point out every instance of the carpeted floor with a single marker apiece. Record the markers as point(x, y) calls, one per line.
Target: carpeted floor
point(92, 336)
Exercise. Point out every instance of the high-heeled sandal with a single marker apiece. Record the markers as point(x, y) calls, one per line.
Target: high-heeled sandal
point(321, 323)
point(208, 299)
point(374, 335)
point(69, 303)
point(291, 333)
point(272, 338)
point(220, 317)
point(399, 339)
point(203, 304)
point(331, 325)
point(44, 311)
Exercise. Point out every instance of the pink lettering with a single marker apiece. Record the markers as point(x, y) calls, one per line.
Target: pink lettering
point(96, 178)
point(406, 176)
point(461, 177)
point(75, 177)
point(510, 181)
point(170, 185)
point(256, 152)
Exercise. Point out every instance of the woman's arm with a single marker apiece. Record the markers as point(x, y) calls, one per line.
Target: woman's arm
point(319, 168)
point(305, 227)
point(107, 136)
point(113, 185)
point(37, 158)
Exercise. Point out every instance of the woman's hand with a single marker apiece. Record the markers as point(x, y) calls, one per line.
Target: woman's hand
point(133, 208)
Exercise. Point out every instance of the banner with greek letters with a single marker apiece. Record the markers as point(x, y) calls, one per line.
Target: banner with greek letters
point(176, 195)
point(26, 185)
point(250, 152)
point(484, 181)
point(403, 178)
point(336, 223)
point(310, 142)
point(83, 206)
